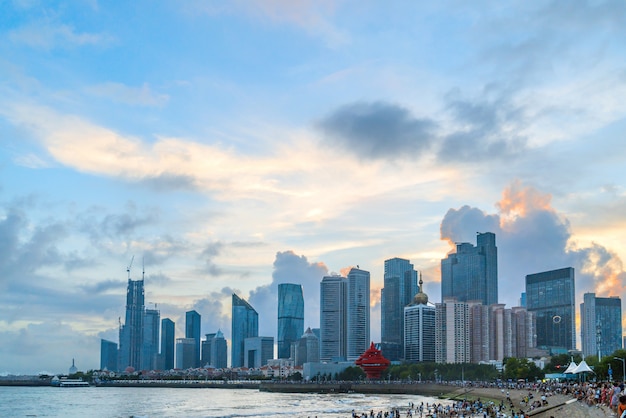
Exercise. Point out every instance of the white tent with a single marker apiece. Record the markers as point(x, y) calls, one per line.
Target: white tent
point(582, 368)
point(570, 369)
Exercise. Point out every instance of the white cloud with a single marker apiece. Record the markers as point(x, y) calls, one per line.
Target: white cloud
point(121, 93)
point(48, 35)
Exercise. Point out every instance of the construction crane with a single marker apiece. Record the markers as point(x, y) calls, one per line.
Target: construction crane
point(129, 266)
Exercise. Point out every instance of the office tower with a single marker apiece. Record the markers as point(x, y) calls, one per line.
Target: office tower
point(452, 341)
point(471, 274)
point(131, 333)
point(600, 325)
point(185, 353)
point(550, 297)
point(219, 351)
point(205, 350)
point(479, 323)
point(214, 351)
point(525, 337)
point(150, 349)
point(245, 324)
point(400, 285)
point(358, 312)
point(419, 328)
point(307, 349)
point(192, 330)
point(333, 318)
point(167, 343)
point(290, 317)
point(257, 351)
point(108, 355)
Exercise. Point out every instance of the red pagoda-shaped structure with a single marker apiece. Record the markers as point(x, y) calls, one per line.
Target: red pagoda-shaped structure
point(372, 362)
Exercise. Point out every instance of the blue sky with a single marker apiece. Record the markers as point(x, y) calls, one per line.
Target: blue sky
point(232, 146)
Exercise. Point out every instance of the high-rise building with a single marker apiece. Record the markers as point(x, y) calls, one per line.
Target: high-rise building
point(358, 312)
point(400, 285)
point(214, 351)
point(550, 298)
point(452, 337)
point(150, 351)
point(501, 332)
point(479, 323)
point(192, 330)
point(600, 325)
point(333, 318)
point(245, 324)
point(290, 317)
point(131, 333)
point(419, 329)
point(471, 274)
point(167, 343)
point(108, 355)
point(523, 324)
point(257, 351)
point(185, 353)
point(307, 349)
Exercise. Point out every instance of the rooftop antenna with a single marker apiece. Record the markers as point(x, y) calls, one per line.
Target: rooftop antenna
point(129, 266)
point(143, 268)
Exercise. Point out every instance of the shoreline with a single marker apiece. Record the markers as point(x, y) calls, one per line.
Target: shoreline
point(559, 406)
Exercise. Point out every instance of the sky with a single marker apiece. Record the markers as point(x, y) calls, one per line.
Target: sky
point(232, 146)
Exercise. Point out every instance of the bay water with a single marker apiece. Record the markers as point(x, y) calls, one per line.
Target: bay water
point(110, 402)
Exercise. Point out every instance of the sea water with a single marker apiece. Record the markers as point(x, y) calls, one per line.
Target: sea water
point(109, 402)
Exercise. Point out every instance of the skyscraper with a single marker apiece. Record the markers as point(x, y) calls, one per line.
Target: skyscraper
point(214, 351)
point(358, 312)
point(290, 317)
point(400, 285)
point(108, 355)
point(167, 343)
point(245, 324)
point(550, 297)
point(419, 329)
point(150, 345)
point(452, 337)
point(471, 274)
point(258, 350)
point(333, 317)
point(600, 325)
point(131, 333)
point(185, 353)
point(307, 349)
point(192, 330)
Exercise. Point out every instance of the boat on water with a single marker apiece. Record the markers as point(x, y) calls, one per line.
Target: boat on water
point(68, 383)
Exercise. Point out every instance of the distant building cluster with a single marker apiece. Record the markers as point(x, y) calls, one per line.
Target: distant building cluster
point(467, 326)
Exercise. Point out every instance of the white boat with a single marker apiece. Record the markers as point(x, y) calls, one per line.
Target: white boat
point(68, 383)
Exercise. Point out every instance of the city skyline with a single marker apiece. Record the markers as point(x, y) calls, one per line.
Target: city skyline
point(234, 147)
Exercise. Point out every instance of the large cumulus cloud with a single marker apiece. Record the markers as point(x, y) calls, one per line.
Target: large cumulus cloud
point(289, 268)
point(533, 237)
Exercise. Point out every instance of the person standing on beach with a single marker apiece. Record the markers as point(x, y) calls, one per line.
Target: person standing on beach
point(621, 407)
point(615, 397)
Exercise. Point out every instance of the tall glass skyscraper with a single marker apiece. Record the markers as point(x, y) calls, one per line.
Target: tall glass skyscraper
point(333, 317)
point(167, 343)
point(400, 285)
point(214, 351)
point(150, 349)
point(245, 324)
point(290, 317)
point(131, 333)
point(600, 325)
point(550, 297)
point(471, 274)
point(358, 313)
point(192, 330)
point(108, 355)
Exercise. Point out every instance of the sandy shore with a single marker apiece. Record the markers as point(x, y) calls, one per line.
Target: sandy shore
point(559, 406)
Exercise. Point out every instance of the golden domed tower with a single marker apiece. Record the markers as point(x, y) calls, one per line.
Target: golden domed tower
point(420, 298)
